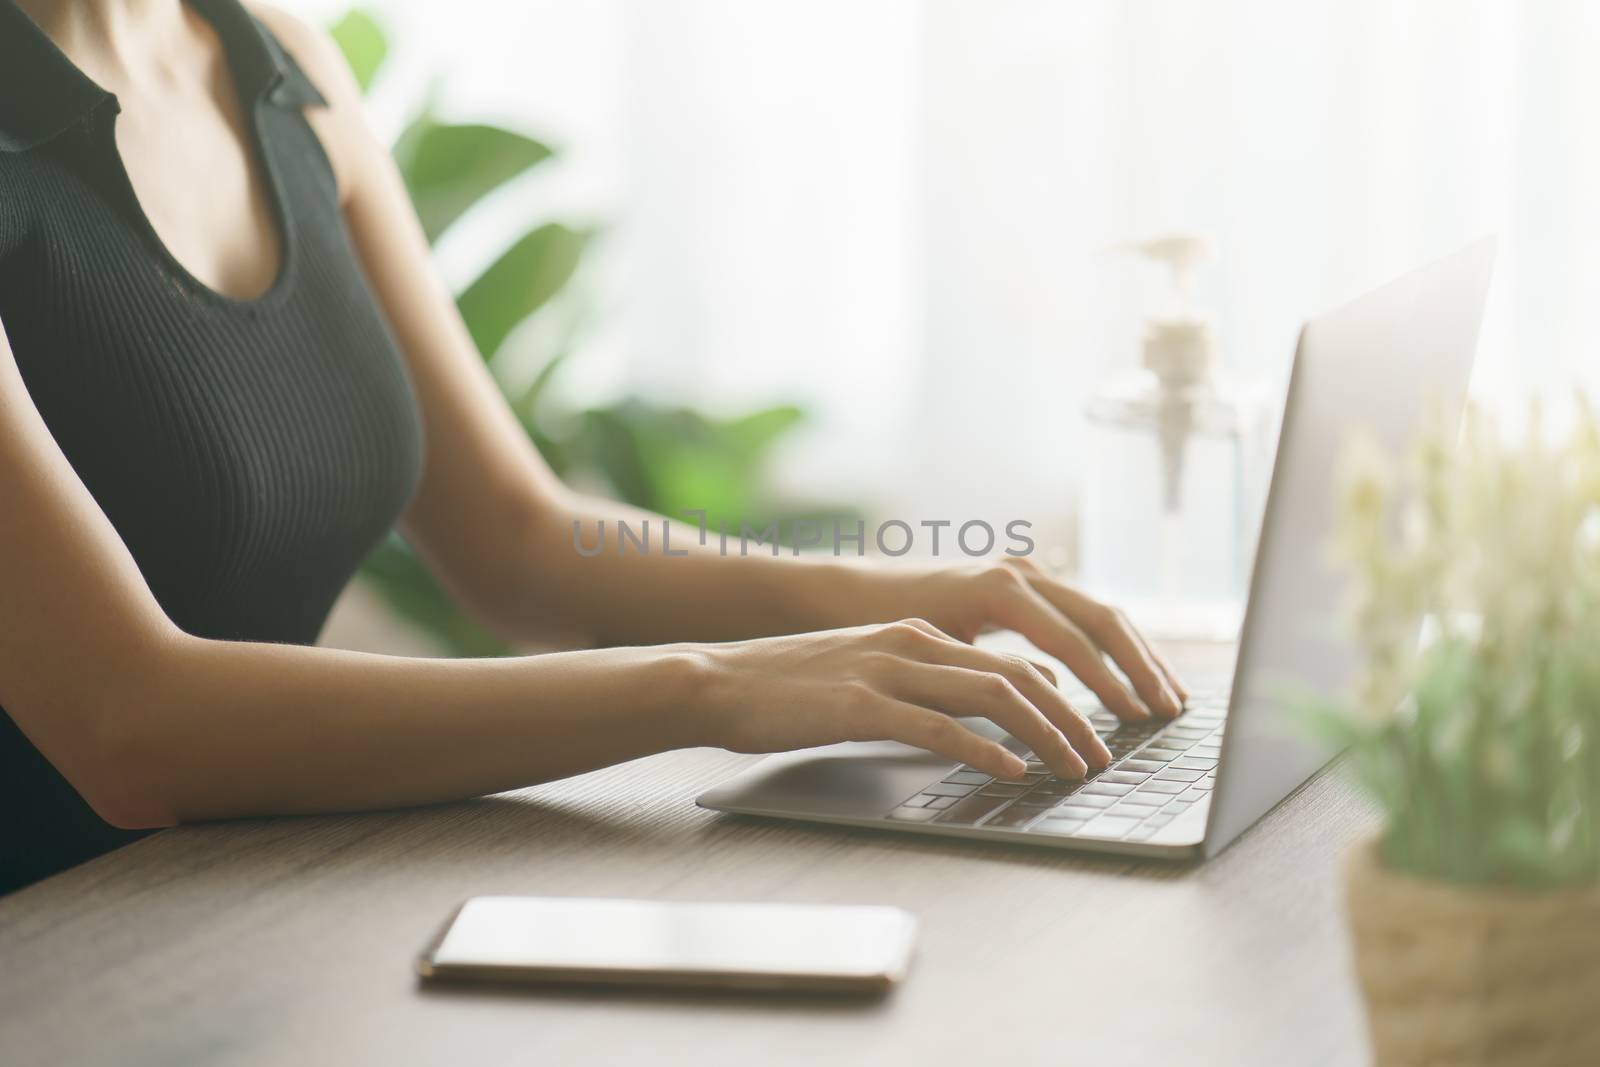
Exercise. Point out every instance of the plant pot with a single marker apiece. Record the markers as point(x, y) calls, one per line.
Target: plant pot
point(1463, 976)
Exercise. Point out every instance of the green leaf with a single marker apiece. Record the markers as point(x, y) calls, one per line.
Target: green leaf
point(361, 39)
point(750, 436)
point(613, 446)
point(520, 282)
point(448, 168)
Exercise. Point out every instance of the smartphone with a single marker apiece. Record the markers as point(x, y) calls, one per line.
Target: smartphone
point(815, 948)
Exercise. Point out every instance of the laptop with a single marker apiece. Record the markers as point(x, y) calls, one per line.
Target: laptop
point(1186, 787)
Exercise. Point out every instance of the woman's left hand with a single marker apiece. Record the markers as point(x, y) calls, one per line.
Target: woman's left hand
point(1060, 621)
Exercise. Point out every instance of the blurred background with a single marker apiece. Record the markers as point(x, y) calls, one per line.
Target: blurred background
point(854, 258)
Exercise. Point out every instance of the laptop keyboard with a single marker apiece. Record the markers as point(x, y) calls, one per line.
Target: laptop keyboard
point(1158, 771)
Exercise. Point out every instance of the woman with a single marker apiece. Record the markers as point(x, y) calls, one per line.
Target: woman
point(226, 369)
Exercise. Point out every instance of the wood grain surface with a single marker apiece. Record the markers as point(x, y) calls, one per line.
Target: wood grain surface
point(291, 940)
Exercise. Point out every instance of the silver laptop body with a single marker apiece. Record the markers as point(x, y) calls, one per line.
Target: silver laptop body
point(1187, 788)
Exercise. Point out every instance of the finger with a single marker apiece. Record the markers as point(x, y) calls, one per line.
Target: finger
point(880, 717)
point(1035, 618)
point(1044, 669)
point(925, 642)
point(962, 691)
point(1036, 683)
point(1035, 687)
point(1070, 602)
point(1110, 631)
point(933, 631)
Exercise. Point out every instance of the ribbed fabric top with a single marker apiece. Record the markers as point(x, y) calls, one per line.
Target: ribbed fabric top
point(249, 452)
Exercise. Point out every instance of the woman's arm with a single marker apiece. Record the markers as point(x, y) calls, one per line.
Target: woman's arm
point(496, 526)
point(155, 726)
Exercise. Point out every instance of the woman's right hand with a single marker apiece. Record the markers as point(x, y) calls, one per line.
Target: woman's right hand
point(902, 681)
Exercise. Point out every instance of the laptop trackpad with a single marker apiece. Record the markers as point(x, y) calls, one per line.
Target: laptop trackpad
point(858, 779)
point(863, 779)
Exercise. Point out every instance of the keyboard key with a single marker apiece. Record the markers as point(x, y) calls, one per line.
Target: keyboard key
point(1109, 827)
point(1156, 752)
point(939, 803)
point(1195, 793)
point(968, 778)
point(1140, 765)
point(1196, 763)
point(1177, 774)
point(1158, 820)
point(1104, 788)
point(1015, 817)
point(948, 789)
point(1155, 785)
point(1140, 833)
point(1121, 776)
point(1206, 751)
point(905, 814)
point(1059, 786)
point(1177, 807)
point(969, 811)
point(1039, 800)
point(1079, 800)
point(1186, 733)
point(1146, 800)
point(1067, 814)
point(1003, 789)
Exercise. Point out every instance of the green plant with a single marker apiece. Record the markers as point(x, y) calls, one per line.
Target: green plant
point(661, 458)
point(1482, 741)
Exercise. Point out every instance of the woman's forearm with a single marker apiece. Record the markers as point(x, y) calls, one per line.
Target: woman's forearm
point(627, 595)
point(218, 729)
point(529, 581)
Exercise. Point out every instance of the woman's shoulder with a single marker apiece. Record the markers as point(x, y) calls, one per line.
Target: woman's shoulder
point(312, 50)
point(340, 122)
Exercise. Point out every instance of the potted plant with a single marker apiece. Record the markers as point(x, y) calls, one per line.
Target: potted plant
point(1476, 911)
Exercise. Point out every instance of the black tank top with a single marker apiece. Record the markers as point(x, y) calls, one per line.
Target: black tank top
point(249, 452)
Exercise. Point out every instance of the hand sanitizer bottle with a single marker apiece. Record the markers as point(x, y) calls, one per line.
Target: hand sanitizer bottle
point(1169, 486)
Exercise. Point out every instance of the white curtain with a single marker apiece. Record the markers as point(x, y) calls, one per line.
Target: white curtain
point(896, 211)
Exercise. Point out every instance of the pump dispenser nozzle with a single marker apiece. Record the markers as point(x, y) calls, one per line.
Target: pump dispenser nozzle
point(1164, 512)
point(1179, 351)
point(1181, 252)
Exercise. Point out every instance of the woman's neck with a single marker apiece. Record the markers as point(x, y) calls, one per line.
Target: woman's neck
point(115, 39)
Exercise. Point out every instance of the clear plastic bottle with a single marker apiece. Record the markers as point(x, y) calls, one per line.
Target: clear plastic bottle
point(1172, 476)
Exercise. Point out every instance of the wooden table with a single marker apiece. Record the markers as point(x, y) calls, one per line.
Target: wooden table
point(290, 941)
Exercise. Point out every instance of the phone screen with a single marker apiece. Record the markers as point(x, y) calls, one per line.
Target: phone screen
point(842, 948)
